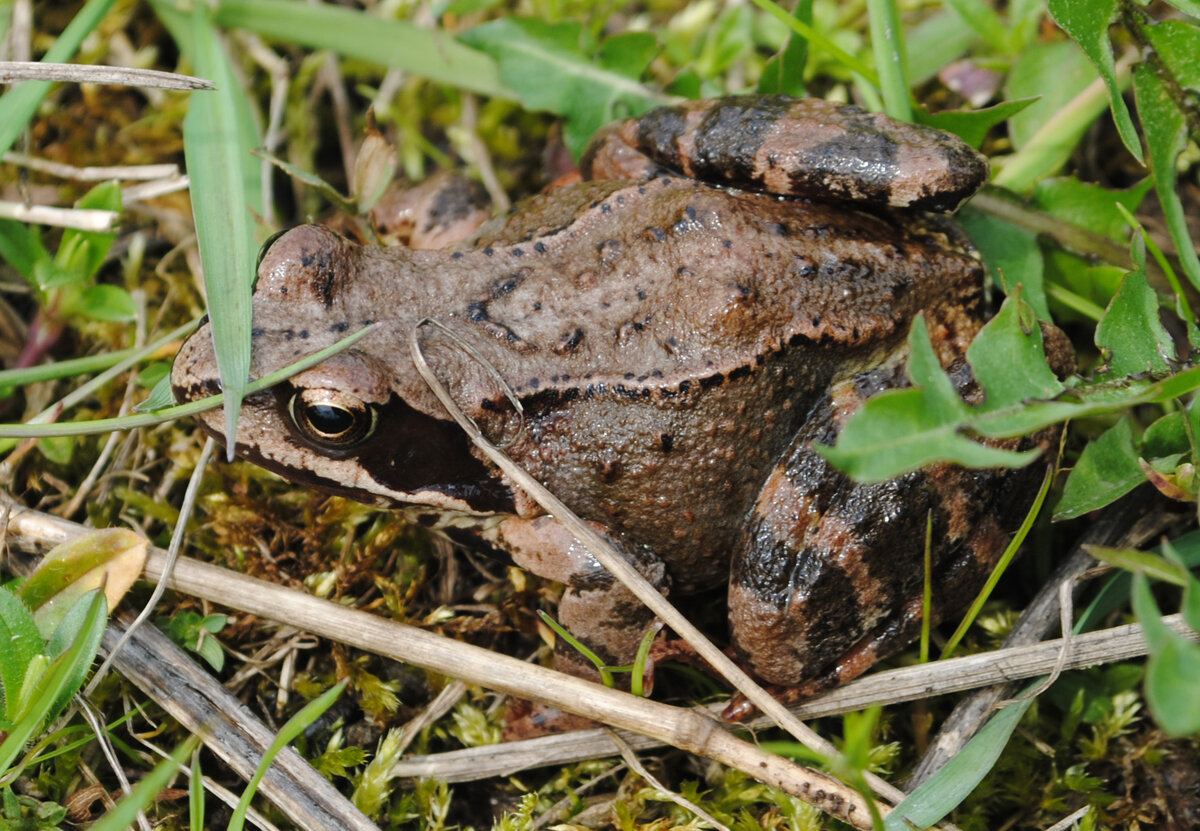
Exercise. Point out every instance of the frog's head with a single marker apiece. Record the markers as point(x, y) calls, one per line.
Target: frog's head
point(358, 424)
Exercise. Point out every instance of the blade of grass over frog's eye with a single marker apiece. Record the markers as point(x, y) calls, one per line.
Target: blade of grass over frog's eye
point(428, 53)
point(19, 104)
point(223, 176)
point(887, 39)
point(107, 425)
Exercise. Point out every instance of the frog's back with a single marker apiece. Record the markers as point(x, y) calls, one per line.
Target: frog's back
point(672, 281)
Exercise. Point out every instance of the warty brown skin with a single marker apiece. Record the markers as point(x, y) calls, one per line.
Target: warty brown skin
point(677, 347)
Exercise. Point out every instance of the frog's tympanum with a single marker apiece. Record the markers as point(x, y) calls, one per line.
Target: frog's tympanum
point(727, 286)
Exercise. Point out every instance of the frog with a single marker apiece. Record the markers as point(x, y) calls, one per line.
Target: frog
point(683, 327)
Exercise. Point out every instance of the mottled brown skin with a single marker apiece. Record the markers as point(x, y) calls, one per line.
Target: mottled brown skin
point(677, 348)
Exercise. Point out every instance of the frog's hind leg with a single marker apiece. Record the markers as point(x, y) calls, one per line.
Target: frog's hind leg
point(444, 210)
point(832, 575)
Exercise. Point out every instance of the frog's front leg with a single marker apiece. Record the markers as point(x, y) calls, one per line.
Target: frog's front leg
point(831, 578)
point(595, 607)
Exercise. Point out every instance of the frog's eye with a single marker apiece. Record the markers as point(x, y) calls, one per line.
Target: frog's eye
point(332, 418)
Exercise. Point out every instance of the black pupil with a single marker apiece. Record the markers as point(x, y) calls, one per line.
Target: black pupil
point(329, 420)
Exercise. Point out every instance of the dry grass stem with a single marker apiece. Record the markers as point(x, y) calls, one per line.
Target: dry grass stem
point(889, 687)
point(93, 173)
point(14, 71)
point(83, 219)
point(685, 729)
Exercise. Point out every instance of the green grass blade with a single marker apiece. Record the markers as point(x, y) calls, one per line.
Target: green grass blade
point(428, 53)
point(124, 815)
point(293, 728)
point(887, 39)
point(223, 174)
point(20, 103)
point(947, 788)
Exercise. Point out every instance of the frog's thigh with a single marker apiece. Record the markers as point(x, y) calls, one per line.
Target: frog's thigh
point(831, 578)
point(596, 608)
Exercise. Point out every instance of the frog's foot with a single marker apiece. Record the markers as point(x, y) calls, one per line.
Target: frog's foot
point(882, 643)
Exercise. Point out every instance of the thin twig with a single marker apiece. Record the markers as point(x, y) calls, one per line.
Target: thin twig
point(14, 71)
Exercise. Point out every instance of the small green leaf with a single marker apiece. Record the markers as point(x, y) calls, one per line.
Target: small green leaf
point(556, 67)
point(159, 397)
point(1190, 607)
point(1172, 670)
point(112, 558)
point(1012, 256)
point(21, 246)
point(57, 684)
point(1166, 134)
point(1107, 470)
point(972, 126)
point(104, 302)
point(1130, 334)
point(1091, 206)
point(22, 642)
point(83, 252)
point(1009, 360)
point(1139, 562)
point(1087, 22)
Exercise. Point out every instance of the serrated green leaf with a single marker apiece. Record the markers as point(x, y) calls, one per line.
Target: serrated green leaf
point(1107, 470)
point(1087, 22)
point(552, 67)
point(1166, 135)
point(22, 641)
point(1012, 255)
point(1130, 334)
